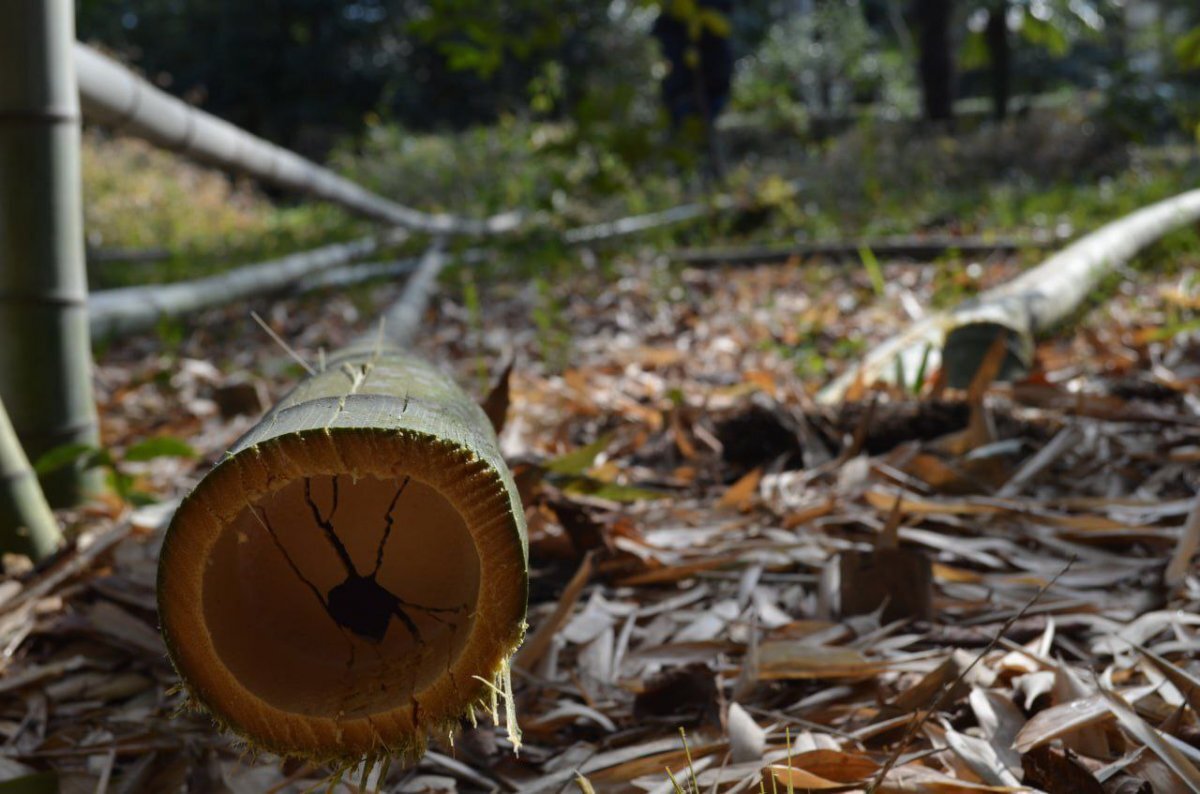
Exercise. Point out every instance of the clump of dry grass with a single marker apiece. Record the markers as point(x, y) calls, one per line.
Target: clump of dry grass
point(139, 197)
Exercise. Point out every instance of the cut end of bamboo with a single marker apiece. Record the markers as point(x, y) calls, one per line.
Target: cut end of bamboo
point(344, 593)
point(967, 345)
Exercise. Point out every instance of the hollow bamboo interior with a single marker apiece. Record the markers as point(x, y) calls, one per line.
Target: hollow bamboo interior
point(346, 579)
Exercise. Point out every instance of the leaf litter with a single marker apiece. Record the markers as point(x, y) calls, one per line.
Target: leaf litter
point(719, 567)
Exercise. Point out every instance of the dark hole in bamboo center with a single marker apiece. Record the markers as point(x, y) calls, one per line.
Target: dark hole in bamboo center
point(341, 597)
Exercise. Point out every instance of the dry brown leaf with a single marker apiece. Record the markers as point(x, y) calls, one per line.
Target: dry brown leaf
point(1148, 736)
point(1049, 724)
point(537, 644)
point(916, 779)
point(740, 495)
point(781, 659)
point(836, 765)
point(495, 404)
point(791, 778)
point(1187, 684)
point(1057, 773)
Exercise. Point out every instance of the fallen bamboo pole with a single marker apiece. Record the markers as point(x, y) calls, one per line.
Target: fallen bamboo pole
point(635, 224)
point(130, 309)
point(917, 248)
point(114, 96)
point(352, 575)
point(139, 256)
point(355, 273)
point(402, 319)
point(352, 274)
point(1027, 306)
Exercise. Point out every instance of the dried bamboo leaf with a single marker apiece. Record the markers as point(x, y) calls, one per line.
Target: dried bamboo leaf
point(1143, 732)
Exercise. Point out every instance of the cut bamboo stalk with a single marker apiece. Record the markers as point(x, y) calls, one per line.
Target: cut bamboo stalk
point(1029, 305)
point(45, 356)
point(402, 319)
point(114, 96)
point(352, 575)
point(130, 309)
point(353, 274)
point(917, 248)
point(635, 224)
point(26, 524)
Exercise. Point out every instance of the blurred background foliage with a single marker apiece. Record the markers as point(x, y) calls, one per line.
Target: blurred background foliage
point(477, 106)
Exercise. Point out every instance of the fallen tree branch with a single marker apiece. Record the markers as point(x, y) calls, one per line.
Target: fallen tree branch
point(1024, 307)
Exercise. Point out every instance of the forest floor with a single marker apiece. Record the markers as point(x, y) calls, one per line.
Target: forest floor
point(698, 498)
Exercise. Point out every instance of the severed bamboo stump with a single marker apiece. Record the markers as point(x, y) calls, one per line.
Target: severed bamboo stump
point(352, 576)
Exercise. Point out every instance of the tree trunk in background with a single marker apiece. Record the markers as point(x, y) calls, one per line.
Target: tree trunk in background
point(45, 355)
point(995, 35)
point(936, 62)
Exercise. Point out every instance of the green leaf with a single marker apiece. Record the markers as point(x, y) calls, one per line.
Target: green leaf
point(613, 492)
point(580, 460)
point(161, 447)
point(66, 455)
point(120, 483)
point(922, 369)
point(1046, 35)
point(874, 272)
point(141, 498)
point(1187, 49)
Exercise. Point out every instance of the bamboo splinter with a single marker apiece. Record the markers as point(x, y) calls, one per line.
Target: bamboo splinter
point(352, 575)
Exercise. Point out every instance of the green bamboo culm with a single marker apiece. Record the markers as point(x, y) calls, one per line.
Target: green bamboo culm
point(45, 350)
point(26, 524)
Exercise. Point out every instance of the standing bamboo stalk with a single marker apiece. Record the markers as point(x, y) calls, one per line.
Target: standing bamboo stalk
point(45, 355)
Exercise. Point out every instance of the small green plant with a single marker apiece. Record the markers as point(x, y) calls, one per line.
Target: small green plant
point(693, 784)
point(475, 322)
point(123, 484)
point(553, 339)
point(874, 271)
point(922, 370)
